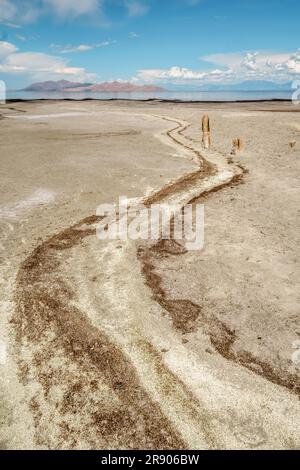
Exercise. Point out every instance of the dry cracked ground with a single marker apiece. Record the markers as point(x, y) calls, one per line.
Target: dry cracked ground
point(139, 344)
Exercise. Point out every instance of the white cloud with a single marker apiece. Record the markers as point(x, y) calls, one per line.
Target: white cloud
point(180, 75)
point(13, 12)
point(39, 66)
point(249, 61)
point(73, 8)
point(174, 74)
point(69, 48)
point(230, 68)
point(136, 7)
point(133, 35)
point(26, 11)
point(21, 37)
point(11, 25)
point(6, 48)
point(7, 10)
point(260, 65)
point(293, 63)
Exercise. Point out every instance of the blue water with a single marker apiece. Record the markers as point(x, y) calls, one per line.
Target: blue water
point(165, 95)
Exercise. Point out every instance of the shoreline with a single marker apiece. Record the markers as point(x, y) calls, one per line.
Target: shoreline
point(149, 100)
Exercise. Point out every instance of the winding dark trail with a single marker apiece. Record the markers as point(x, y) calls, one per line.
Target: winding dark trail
point(77, 369)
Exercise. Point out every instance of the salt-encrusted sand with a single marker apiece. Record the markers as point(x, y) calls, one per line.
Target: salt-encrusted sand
point(129, 345)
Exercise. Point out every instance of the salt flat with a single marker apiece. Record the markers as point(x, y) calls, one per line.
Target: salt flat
point(141, 345)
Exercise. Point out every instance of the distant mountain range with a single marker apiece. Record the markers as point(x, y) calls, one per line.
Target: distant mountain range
point(108, 87)
point(128, 87)
point(61, 85)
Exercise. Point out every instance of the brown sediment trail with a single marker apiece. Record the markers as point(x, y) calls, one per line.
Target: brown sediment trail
point(96, 135)
point(13, 109)
point(67, 351)
point(46, 319)
point(182, 184)
point(187, 316)
point(295, 110)
point(2, 116)
point(59, 333)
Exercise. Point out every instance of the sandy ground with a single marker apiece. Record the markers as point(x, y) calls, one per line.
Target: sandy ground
point(142, 345)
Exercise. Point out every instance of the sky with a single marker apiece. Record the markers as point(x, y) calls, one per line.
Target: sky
point(178, 42)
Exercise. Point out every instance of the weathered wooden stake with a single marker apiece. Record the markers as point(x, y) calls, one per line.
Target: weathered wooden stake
point(237, 146)
point(292, 144)
point(206, 132)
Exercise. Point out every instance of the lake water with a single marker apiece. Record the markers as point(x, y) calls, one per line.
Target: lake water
point(165, 95)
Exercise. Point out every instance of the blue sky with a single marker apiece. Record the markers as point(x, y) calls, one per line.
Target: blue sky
point(187, 42)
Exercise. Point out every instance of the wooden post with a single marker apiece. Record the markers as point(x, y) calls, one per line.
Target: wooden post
point(206, 132)
point(237, 146)
point(292, 144)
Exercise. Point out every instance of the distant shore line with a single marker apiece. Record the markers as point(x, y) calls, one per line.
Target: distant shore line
point(157, 100)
